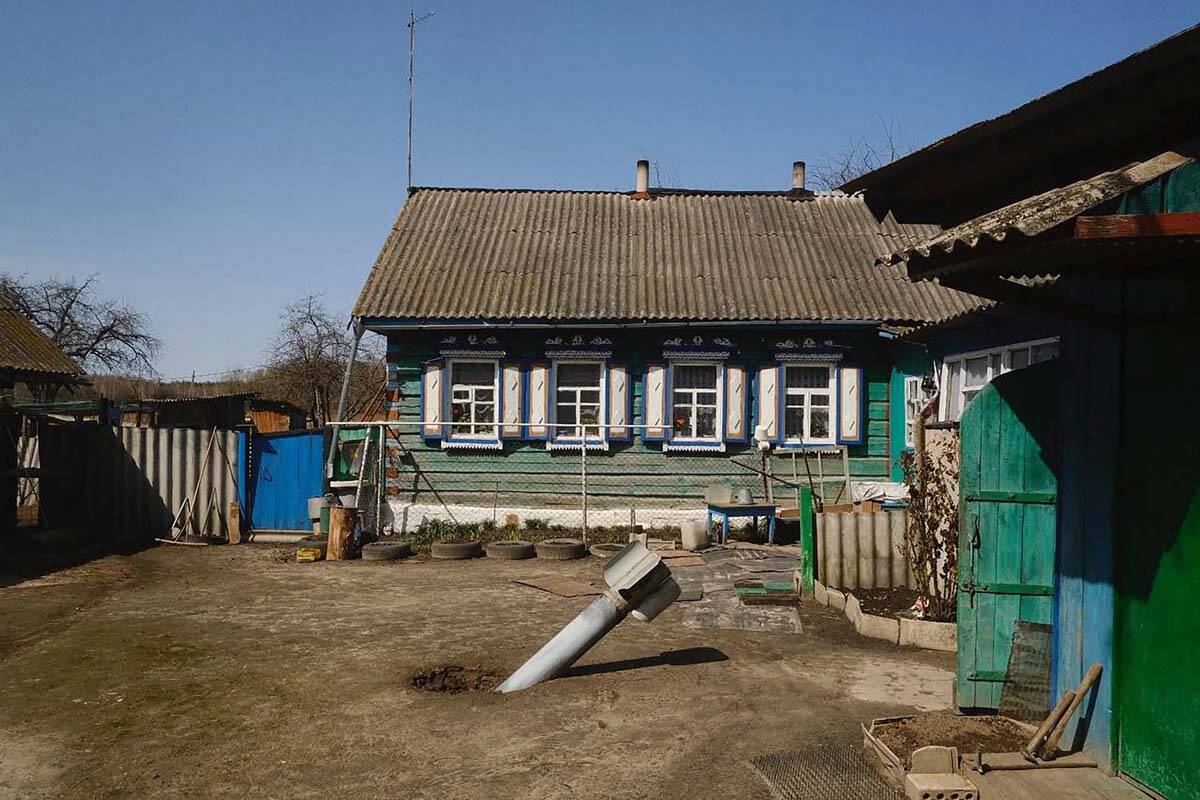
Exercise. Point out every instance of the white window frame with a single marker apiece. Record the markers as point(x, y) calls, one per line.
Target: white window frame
point(452, 433)
point(806, 438)
point(915, 399)
point(1001, 355)
point(718, 437)
point(560, 439)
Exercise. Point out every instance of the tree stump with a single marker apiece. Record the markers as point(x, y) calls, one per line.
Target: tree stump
point(341, 532)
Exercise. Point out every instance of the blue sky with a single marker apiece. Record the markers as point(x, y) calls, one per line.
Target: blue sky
point(212, 161)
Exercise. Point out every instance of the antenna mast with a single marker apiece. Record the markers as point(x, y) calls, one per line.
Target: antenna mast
point(413, 20)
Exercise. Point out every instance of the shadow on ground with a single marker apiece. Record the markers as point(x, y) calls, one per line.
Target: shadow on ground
point(668, 658)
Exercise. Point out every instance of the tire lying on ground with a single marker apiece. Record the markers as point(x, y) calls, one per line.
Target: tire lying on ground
point(606, 550)
point(511, 549)
point(561, 549)
point(386, 551)
point(456, 551)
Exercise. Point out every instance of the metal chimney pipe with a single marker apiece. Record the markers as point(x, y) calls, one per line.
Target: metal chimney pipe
point(797, 175)
point(642, 185)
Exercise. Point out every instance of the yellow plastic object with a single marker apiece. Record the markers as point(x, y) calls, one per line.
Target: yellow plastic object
point(307, 555)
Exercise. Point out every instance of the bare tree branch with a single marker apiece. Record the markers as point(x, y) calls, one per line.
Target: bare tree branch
point(100, 334)
point(860, 156)
point(308, 357)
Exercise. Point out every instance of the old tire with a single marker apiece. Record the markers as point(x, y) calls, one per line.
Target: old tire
point(511, 549)
point(561, 549)
point(386, 551)
point(456, 551)
point(606, 550)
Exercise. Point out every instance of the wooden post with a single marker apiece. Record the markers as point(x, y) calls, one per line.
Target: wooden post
point(235, 522)
point(341, 530)
point(807, 551)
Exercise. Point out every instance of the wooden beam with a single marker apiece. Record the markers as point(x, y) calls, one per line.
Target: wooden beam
point(1119, 226)
point(1043, 299)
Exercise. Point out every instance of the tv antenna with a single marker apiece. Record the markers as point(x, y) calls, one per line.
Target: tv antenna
point(413, 21)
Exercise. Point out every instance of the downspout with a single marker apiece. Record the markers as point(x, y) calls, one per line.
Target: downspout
point(356, 323)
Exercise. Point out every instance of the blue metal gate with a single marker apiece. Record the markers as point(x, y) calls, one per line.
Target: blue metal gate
point(286, 470)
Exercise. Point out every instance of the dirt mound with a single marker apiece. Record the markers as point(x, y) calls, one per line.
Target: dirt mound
point(454, 679)
point(969, 734)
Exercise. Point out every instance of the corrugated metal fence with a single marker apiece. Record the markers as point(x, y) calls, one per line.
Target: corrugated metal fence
point(132, 481)
point(862, 550)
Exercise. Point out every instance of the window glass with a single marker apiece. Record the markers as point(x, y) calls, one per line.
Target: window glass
point(577, 400)
point(953, 389)
point(1045, 352)
point(977, 372)
point(807, 377)
point(694, 401)
point(472, 398)
point(966, 376)
point(808, 404)
point(473, 373)
point(915, 399)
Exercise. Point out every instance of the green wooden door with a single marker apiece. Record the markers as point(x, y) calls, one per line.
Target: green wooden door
point(1007, 501)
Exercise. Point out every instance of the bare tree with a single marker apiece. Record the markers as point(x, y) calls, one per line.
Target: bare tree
point(669, 180)
point(860, 156)
point(100, 334)
point(308, 357)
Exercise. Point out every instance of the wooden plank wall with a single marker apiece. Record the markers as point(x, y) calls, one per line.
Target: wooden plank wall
point(628, 470)
point(1084, 600)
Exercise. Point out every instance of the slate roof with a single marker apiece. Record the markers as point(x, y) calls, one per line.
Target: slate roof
point(1037, 215)
point(25, 349)
point(512, 255)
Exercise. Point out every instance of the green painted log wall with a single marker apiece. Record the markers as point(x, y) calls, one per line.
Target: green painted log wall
point(627, 471)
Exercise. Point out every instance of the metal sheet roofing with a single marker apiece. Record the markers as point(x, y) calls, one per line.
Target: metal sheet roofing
point(512, 255)
point(1036, 215)
point(25, 349)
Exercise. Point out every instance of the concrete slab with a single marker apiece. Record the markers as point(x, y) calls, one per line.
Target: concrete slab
point(1059, 784)
point(853, 609)
point(837, 599)
point(767, 619)
point(935, 759)
point(877, 627)
point(820, 593)
point(929, 635)
point(939, 787)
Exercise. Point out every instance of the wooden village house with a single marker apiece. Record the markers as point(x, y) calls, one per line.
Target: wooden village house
point(658, 328)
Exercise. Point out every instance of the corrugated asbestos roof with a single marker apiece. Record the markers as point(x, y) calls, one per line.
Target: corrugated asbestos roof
point(472, 254)
point(24, 348)
point(1036, 215)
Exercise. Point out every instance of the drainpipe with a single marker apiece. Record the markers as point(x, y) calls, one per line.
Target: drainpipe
point(356, 322)
point(639, 584)
point(358, 332)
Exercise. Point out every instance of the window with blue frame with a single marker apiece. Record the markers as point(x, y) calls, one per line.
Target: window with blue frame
point(808, 403)
point(695, 402)
point(473, 399)
point(579, 400)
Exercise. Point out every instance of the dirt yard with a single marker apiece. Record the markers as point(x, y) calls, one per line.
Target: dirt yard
point(227, 672)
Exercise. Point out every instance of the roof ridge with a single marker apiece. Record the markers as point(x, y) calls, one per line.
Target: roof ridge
point(659, 191)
